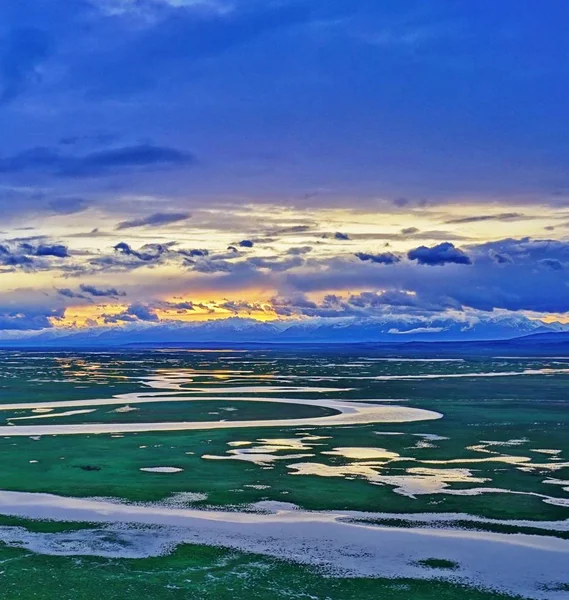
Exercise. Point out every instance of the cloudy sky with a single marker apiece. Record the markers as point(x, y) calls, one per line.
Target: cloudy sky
point(282, 159)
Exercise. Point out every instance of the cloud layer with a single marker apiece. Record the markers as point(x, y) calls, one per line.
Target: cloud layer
point(315, 160)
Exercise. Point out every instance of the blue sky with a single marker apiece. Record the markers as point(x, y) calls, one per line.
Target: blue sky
point(180, 160)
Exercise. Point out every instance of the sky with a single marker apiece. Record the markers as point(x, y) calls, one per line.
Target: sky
point(282, 160)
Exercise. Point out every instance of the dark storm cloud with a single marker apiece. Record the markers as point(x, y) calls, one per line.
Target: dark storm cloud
point(16, 253)
point(57, 250)
point(526, 250)
point(147, 253)
point(135, 312)
point(113, 161)
point(522, 282)
point(511, 274)
point(241, 306)
point(383, 258)
point(87, 292)
point(181, 307)
point(194, 252)
point(154, 220)
point(441, 254)
point(362, 306)
point(28, 318)
point(141, 312)
point(399, 299)
point(30, 249)
point(127, 258)
point(101, 293)
point(11, 260)
point(68, 293)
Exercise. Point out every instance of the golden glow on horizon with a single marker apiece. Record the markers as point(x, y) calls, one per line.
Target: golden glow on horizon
point(221, 285)
point(261, 309)
point(103, 314)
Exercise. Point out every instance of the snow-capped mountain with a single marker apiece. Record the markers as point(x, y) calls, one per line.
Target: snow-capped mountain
point(327, 331)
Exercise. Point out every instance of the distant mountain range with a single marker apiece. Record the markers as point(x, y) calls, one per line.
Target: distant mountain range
point(551, 344)
point(476, 333)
